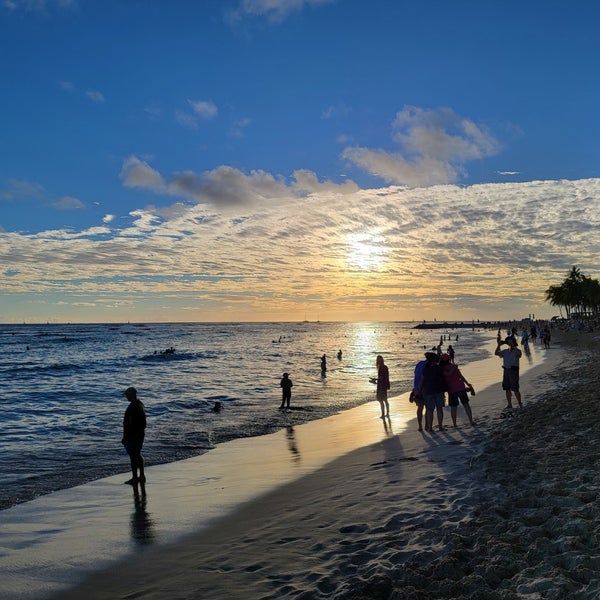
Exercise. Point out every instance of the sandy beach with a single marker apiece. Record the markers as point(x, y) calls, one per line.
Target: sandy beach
point(347, 506)
point(506, 509)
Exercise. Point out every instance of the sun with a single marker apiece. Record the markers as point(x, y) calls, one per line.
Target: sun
point(366, 251)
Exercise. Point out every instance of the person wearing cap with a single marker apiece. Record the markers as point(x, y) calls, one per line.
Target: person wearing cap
point(432, 387)
point(134, 429)
point(457, 387)
point(510, 366)
point(286, 389)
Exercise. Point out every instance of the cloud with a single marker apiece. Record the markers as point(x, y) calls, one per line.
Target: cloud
point(484, 251)
point(274, 10)
point(37, 6)
point(136, 173)
point(68, 203)
point(201, 109)
point(108, 218)
point(204, 109)
point(95, 96)
point(226, 186)
point(70, 88)
point(237, 129)
point(434, 146)
point(20, 189)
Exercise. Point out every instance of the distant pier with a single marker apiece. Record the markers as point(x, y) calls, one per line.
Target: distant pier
point(473, 325)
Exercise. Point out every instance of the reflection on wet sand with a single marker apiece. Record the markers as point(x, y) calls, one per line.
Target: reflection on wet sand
point(142, 526)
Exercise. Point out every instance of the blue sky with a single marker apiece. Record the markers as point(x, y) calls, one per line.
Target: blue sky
point(291, 159)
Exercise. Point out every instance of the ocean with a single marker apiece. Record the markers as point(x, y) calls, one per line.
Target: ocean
point(62, 398)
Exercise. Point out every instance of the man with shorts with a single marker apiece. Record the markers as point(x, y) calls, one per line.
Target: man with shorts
point(414, 395)
point(432, 388)
point(134, 429)
point(510, 366)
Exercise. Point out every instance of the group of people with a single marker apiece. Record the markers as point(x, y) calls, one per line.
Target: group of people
point(433, 378)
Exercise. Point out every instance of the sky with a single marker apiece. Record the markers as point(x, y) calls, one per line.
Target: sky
point(289, 160)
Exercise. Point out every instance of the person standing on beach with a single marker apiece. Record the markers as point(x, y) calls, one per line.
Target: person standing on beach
point(323, 364)
point(451, 353)
point(383, 385)
point(432, 388)
point(286, 388)
point(134, 429)
point(414, 395)
point(510, 366)
point(457, 387)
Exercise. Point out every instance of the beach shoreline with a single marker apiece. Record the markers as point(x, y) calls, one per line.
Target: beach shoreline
point(467, 513)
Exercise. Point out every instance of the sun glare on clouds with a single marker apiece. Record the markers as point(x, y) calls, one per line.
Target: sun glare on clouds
point(366, 251)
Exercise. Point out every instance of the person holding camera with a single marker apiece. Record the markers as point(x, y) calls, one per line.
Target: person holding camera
point(510, 365)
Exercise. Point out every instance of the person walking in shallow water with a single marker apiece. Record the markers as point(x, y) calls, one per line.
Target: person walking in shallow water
point(286, 390)
point(134, 429)
point(383, 385)
point(323, 364)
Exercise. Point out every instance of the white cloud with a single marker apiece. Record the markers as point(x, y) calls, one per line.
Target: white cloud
point(108, 218)
point(95, 96)
point(204, 109)
point(273, 10)
point(434, 146)
point(237, 129)
point(68, 203)
point(70, 88)
point(201, 109)
point(38, 6)
point(467, 250)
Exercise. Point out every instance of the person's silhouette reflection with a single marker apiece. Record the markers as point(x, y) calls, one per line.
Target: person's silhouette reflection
point(141, 522)
point(291, 436)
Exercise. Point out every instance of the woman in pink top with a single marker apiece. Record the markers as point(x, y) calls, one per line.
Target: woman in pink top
point(458, 387)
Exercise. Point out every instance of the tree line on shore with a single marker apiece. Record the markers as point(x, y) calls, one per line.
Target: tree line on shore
point(578, 294)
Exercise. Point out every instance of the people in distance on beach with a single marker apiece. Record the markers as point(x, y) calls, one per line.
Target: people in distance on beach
point(510, 369)
point(451, 352)
point(547, 336)
point(324, 363)
point(383, 385)
point(286, 390)
point(458, 388)
point(134, 430)
point(432, 387)
point(339, 355)
point(525, 340)
point(415, 396)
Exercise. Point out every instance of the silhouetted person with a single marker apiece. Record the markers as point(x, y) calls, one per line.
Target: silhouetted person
point(339, 355)
point(383, 385)
point(510, 369)
point(286, 390)
point(324, 363)
point(134, 429)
